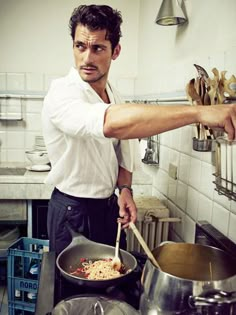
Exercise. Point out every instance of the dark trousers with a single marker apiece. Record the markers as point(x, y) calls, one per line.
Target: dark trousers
point(96, 219)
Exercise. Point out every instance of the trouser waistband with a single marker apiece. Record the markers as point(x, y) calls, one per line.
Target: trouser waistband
point(56, 190)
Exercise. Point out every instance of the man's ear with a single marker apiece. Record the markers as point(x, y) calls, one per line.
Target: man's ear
point(116, 52)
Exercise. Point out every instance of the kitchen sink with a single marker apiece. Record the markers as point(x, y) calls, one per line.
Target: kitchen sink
point(12, 171)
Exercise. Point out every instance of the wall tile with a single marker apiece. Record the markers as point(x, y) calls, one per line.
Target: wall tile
point(161, 182)
point(3, 155)
point(15, 140)
point(221, 199)
point(184, 168)
point(164, 158)
point(220, 218)
point(175, 139)
point(174, 157)
point(15, 81)
point(172, 208)
point(34, 106)
point(181, 197)
point(205, 208)
point(232, 229)
point(196, 154)
point(15, 155)
point(189, 230)
point(165, 138)
point(192, 203)
point(3, 81)
point(179, 227)
point(172, 186)
point(3, 140)
point(34, 82)
point(186, 140)
point(208, 157)
point(195, 173)
point(233, 206)
point(33, 122)
point(207, 178)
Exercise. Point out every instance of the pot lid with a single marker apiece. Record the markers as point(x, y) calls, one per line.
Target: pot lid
point(93, 305)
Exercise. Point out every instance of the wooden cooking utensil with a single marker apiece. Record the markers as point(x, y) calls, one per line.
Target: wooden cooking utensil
point(144, 245)
point(192, 92)
point(116, 263)
point(201, 72)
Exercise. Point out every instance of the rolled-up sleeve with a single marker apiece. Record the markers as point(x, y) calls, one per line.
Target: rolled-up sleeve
point(74, 115)
point(129, 155)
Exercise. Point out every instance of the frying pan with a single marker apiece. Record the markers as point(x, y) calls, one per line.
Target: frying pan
point(81, 247)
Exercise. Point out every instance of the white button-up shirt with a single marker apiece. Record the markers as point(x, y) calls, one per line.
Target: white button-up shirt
point(84, 162)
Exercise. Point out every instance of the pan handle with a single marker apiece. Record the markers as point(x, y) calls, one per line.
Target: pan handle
point(76, 236)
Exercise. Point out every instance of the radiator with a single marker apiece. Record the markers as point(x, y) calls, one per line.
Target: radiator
point(152, 222)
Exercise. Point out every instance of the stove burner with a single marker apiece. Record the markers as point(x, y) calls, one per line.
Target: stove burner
point(128, 292)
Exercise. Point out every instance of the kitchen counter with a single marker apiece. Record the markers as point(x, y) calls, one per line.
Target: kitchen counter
point(31, 184)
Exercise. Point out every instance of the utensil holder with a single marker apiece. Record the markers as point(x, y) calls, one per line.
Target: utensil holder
point(204, 145)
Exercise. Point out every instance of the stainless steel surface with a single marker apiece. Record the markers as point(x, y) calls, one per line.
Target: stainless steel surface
point(93, 305)
point(187, 270)
point(12, 171)
point(170, 13)
point(202, 145)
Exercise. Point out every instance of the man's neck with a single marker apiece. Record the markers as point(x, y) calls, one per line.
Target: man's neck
point(101, 91)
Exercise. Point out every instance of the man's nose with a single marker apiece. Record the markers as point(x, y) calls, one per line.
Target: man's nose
point(88, 56)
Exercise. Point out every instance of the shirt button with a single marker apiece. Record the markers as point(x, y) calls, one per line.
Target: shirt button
point(69, 208)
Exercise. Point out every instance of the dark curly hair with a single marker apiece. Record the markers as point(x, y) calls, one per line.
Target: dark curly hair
point(98, 17)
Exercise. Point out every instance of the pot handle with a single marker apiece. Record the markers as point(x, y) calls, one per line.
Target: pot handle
point(96, 306)
point(213, 297)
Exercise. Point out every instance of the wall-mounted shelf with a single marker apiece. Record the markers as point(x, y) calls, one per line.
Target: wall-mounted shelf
point(11, 105)
point(225, 168)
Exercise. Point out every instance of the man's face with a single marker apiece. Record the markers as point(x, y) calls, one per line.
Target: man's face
point(93, 54)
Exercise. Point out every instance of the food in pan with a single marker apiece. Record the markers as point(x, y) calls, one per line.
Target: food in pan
point(100, 269)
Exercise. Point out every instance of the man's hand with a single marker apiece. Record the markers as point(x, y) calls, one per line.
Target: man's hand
point(219, 116)
point(128, 210)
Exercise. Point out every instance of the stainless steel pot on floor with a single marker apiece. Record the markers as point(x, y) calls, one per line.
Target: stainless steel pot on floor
point(192, 277)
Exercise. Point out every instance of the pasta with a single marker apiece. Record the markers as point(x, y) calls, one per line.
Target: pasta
point(98, 269)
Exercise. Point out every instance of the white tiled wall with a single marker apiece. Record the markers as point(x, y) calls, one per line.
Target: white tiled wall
point(17, 136)
point(192, 195)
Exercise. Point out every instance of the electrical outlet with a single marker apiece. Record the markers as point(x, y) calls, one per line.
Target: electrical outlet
point(173, 171)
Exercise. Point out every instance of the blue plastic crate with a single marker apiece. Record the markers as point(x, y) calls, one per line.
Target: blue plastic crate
point(20, 256)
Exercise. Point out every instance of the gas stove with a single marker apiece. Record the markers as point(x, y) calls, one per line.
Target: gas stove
point(54, 288)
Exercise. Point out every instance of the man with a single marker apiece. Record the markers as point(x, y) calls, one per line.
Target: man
point(85, 124)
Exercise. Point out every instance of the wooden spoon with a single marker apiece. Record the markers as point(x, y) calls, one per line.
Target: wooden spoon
point(144, 245)
point(116, 263)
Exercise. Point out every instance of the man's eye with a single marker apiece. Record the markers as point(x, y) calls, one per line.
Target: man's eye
point(80, 46)
point(97, 48)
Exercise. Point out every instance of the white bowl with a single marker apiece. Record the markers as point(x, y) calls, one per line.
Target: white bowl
point(37, 157)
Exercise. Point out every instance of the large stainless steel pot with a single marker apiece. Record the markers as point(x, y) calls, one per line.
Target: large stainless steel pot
point(93, 305)
point(188, 272)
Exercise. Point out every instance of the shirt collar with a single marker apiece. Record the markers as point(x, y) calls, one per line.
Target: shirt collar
point(74, 77)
